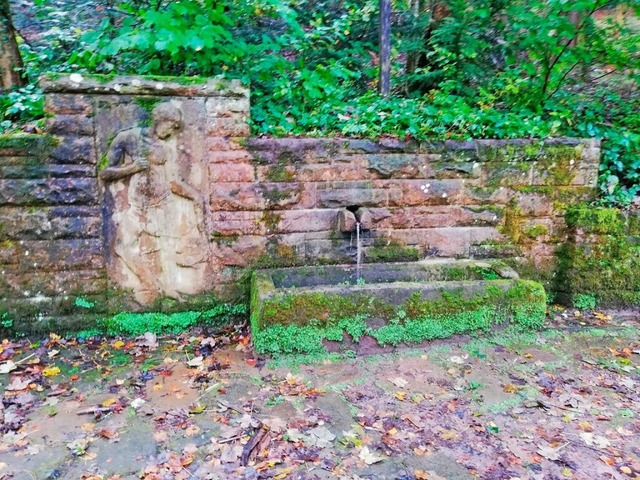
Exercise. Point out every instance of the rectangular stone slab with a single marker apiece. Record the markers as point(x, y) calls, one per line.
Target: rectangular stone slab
point(297, 310)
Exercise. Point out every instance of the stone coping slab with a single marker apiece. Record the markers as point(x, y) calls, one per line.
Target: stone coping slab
point(143, 85)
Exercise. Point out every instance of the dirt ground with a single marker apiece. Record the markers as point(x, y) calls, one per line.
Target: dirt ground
point(562, 403)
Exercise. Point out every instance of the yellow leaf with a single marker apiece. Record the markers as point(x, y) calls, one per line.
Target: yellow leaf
point(109, 401)
point(118, 345)
point(401, 396)
point(199, 408)
point(448, 434)
point(566, 472)
point(51, 371)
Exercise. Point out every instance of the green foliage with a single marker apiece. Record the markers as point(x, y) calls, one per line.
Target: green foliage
point(139, 323)
point(20, 106)
point(84, 303)
point(506, 69)
point(584, 301)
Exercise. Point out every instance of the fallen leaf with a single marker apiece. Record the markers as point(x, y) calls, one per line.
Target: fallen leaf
point(369, 457)
point(399, 382)
point(195, 362)
point(8, 367)
point(18, 384)
point(51, 371)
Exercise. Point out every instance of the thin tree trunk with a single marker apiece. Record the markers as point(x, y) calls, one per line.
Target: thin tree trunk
point(385, 47)
point(10, 59)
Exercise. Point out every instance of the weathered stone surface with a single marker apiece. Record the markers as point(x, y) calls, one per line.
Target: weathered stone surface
point(46, 223)
point(253, 196)
point(46, 283)
point(435, 216)
point(423, 192)
point(291, 221)
point(227, 106)
point(140, 85)
point(346, 221)
point(53, 256)
point(57, 191)
point(243, 252)
point(77, 150)
point(226, 225)
point(231, 126)
point(62, 124)
point(223, 144)
point(33, 168)
point(231, 172)
point(68, 104)
point(445, 242)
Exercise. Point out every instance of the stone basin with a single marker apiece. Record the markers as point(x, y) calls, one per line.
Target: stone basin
point(305, 309)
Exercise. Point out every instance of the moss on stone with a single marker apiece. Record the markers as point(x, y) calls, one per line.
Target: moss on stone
point(301, 322)
point(279, 173)
point(271, 220)
point(513, 224)
point(602, 260)
point(277, 195)
point(220, 238)
point(535, 231)
point(592, 219)
point(33, 145)
point(384, 251)
point(147, 104)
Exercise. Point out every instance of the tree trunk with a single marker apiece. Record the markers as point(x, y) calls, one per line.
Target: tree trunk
point(10, 59)
point(385, 47)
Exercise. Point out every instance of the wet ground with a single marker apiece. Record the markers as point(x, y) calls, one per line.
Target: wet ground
point(563, 403)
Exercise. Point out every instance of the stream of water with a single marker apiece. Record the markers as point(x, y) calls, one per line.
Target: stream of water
point(358, 251)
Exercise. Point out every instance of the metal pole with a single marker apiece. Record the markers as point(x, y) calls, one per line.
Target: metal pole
point(385, 47)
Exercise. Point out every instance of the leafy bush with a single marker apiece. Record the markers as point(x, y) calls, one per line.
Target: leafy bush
point(462, 68)
point(20, 106)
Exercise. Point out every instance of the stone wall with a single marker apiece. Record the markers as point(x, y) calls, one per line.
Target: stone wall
point(287, 199)
point(148, 194)
point(600, 264)
point(50, 227)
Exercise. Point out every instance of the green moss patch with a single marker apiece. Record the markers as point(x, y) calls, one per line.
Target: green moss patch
point(290, 322)
point(602, 258)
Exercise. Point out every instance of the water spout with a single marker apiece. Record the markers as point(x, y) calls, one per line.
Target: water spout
point(358, 251)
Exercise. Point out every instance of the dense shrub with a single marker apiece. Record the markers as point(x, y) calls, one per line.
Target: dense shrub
point(461, 68)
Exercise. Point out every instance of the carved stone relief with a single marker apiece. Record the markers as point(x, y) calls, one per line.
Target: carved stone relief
point(157, 218)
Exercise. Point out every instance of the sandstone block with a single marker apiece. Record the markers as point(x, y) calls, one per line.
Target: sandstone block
point(63, 125)
point(43, 283)
point(231, 172)
point(227, 106)
point(223, 144)
point(79, 150)
point(235, 126)
point(57, 191)
point(226, 225)
point(68, 104)
point(292, 221)
point(346, 221)
point(49, 256)
point(422, 192)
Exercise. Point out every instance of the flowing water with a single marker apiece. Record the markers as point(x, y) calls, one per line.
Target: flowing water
point(358, 251)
